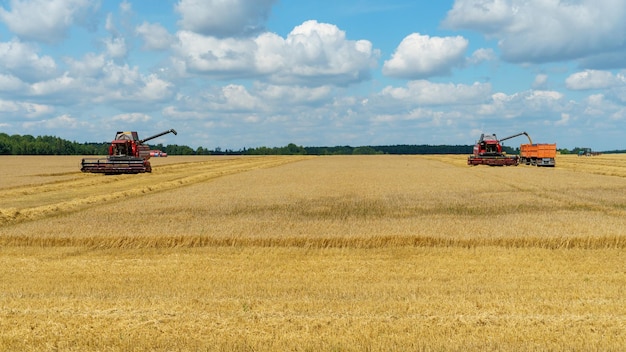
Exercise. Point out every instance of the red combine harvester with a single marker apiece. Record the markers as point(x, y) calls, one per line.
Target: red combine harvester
point(488, 151)
point(127, 155)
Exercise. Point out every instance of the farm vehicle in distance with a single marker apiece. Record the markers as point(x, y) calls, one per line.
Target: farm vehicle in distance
point(127, 155)
point(488, 151)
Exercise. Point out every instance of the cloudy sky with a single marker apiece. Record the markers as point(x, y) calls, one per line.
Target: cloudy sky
point(250, 73)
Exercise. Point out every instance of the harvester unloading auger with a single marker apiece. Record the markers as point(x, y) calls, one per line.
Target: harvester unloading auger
point(488, 151)
point(127, 155)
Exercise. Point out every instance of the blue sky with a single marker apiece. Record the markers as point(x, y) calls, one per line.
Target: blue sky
point(250, 73)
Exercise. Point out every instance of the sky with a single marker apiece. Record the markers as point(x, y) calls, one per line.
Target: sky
point(235, 74)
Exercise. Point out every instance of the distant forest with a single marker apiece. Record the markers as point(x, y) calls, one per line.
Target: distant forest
point(49, 145)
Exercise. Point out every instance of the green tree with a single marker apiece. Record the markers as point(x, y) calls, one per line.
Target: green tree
point(364, 151)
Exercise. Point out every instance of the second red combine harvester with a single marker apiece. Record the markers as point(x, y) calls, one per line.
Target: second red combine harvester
point(127, 155)
point(488, 151)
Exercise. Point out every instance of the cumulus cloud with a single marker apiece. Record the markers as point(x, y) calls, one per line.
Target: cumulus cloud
point(57, 86)
point(293, 94)
point(90, 66)
point(545, 30)
point(312, 54)
point(116, 47)
point(18, 109)
point(10, 83)
point(488, 16)
point(126, 86)
point(541, 81)
point(62, 122)
point(47, 20)
point(131, 117)
point(564, 120)
point(235, 101)
point(155, 36)
point(421, 56)
point(482, 55)
point(422, 92)
point(223, 18)
point(527, 103)
point(211, 55)
point(182, 112)
point(97, 80)
point(236, 97)
point(23, 61)
point(316, 49)
point(594, 79)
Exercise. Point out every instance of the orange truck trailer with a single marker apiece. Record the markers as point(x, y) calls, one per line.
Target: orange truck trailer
point(538, 154)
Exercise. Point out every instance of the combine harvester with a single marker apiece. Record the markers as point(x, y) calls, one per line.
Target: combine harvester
point(127, 155)
point(488, 151)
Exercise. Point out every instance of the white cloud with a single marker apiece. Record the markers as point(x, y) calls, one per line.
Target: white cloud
point(22, 60)
point(122, 84)
point(58, 123)
point(312, 54)
point(110, 25)
point(294, 94)
point(154, 88)
point(10, 83)
point(94, 80)
point(541, 81)
point(90, 66)
point(223, 18)
point(184, 113)
point(423, 92)
point(58, 86)
point(528, 103)
point(272, 53)
point(483, 15)
point(204, 54)
point(237, 98)
point(594, 79)
point(481, 55)
point(545, 30)
point(320, 52)
point(131, 117)
point(421, 56)
point(155, 36)
point(17, 109)
point(47, 20)
point(116, 47)
point(126, 7)
point(564, 121)
point(230, 100)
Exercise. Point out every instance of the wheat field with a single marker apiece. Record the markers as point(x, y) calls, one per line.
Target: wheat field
point(304, 253)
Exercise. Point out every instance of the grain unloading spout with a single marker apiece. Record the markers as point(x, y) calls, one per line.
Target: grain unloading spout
point(158, 135)
point(516, 135)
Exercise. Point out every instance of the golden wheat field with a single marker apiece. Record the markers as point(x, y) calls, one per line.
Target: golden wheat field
point(303, 253)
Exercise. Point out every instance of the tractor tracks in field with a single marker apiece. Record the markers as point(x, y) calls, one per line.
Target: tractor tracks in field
point(572, 196)
point(28, 203)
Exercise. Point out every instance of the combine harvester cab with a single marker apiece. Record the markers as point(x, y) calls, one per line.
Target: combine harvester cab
point(127, 155)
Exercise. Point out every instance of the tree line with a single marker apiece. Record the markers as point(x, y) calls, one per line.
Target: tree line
point(50, 145)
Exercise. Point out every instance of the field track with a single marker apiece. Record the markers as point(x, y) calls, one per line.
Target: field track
point(34, 201)
point(321, 202)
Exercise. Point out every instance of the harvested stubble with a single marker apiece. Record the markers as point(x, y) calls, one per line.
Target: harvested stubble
point(329, 253)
